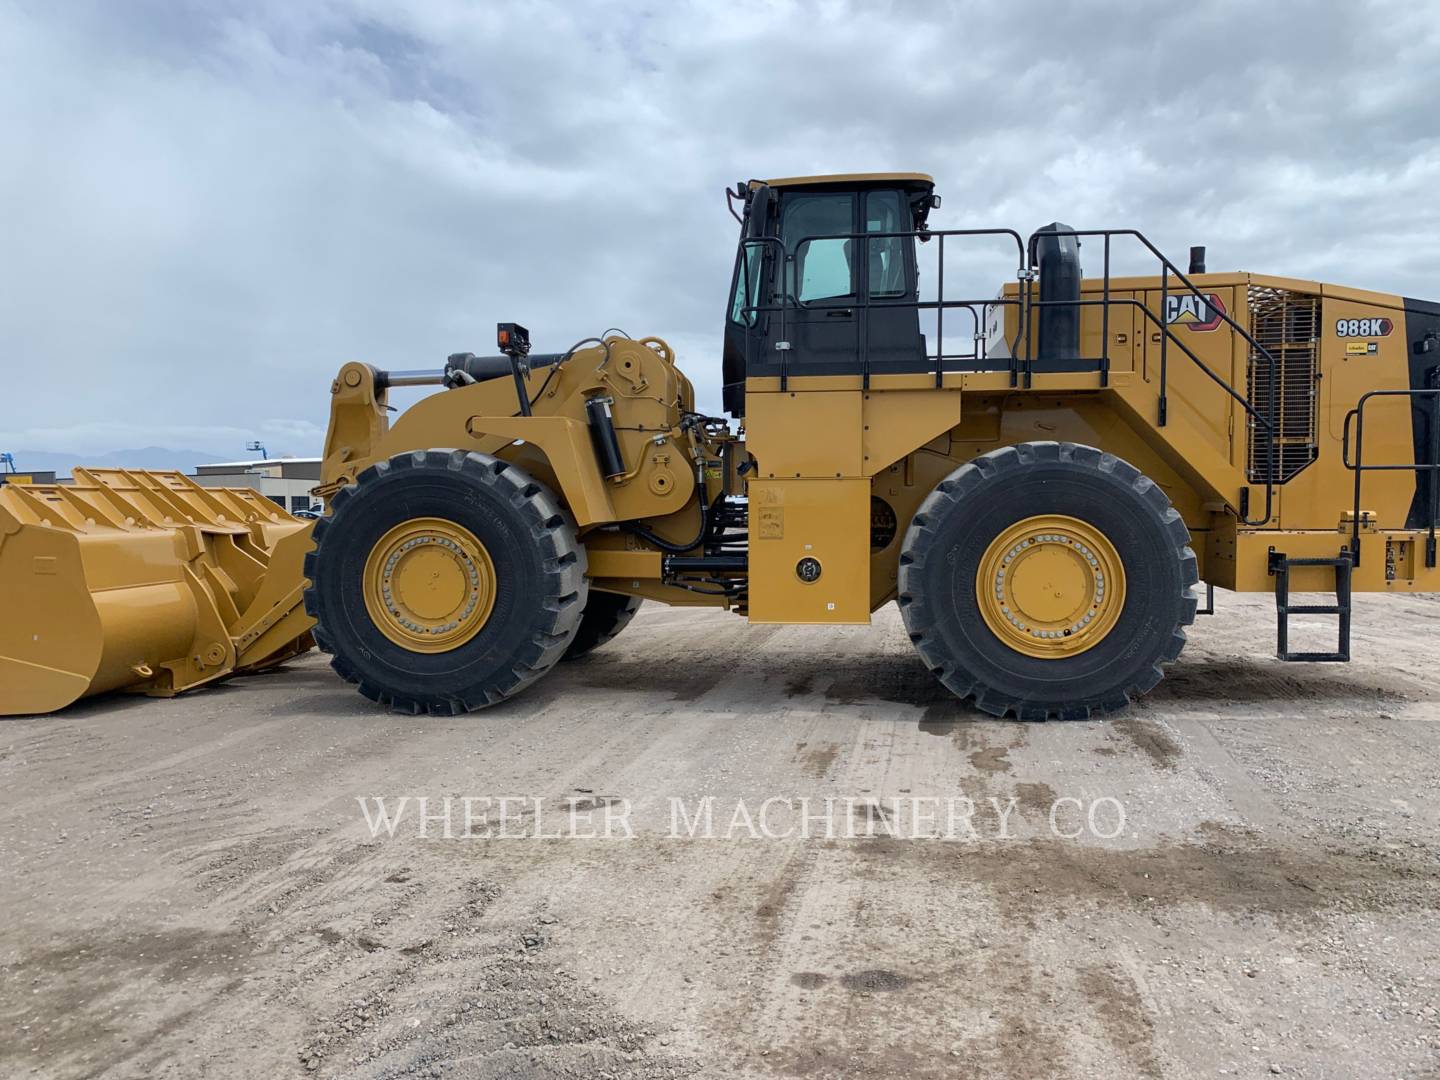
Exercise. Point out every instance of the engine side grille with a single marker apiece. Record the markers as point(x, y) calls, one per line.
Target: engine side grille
point(1287, 325)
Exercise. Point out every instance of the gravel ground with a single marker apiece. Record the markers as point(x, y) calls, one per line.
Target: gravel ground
point(190, 887)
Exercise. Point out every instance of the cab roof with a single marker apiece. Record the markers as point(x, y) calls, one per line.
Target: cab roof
point(905, 180)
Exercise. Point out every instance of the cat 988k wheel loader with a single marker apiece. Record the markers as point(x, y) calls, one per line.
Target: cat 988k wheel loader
point(1040, 478)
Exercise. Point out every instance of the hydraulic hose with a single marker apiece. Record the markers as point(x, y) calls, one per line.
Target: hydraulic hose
point(669, 545)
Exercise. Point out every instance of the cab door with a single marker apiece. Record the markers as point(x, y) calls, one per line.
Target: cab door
point(851, 298)
point(820, 282)
point(888, 283)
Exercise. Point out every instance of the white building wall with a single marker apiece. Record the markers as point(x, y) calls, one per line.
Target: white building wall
point(291, 494)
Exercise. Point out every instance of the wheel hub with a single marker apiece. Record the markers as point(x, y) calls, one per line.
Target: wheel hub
point(1051, 586)
point(429, 585)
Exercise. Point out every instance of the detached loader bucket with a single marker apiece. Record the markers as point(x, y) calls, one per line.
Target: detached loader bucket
point(142, 581)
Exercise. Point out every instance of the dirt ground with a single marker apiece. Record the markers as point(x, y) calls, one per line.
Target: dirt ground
point(190, 887)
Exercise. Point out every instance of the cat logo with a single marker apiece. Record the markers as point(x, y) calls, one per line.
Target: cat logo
point(1195, 312)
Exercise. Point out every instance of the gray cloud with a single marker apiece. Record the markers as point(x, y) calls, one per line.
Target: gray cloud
point(209, 207)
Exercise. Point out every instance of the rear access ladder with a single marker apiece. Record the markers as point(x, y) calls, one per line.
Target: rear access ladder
point(1280, 565)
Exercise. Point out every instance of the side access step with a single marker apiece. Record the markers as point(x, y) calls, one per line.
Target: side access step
point(1280, 565)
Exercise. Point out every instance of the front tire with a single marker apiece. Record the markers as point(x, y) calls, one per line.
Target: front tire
point(1048, 581)
point(445, 581)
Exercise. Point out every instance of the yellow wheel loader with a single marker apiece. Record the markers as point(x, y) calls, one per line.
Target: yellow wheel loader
point(1039, 477)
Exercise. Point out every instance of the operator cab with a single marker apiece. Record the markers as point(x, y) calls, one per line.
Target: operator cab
point(813, 293)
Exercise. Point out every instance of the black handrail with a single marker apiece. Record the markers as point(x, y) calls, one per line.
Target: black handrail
point(1357, 414)
point(1166, 264)
point(1026, 301)
point(1130, 301)
point(1271, 423)
point(863, 302)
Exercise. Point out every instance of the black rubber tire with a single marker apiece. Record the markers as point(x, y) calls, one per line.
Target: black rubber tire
point(957, 522)
point(606, 614)
point(539, 565)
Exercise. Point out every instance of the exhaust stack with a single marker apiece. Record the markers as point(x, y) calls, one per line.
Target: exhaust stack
point(1058, 321)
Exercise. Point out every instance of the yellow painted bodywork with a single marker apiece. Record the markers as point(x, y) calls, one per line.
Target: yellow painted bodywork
point(1200, 454)
point(912, 434)
point(649, 394)
point(827, 451)
point(842, 179)
point(823, 519)
point(142, 581)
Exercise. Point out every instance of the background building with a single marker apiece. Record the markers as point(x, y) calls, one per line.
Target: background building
point(30, 476)
point(286, 480)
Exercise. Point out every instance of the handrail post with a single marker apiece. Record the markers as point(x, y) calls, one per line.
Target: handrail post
point(1022, 320)
point(862, 320)
point(1105, 321)
point(1359, 473)
point(786, 258)
point(1031, 300)
point(1164, 337)
point(939, 315)
point(747, 312)
point(784, 332)
point(1273, 471)
point(1434, 470)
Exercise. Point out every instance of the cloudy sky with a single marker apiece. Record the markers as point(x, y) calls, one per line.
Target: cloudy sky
point(208, 207)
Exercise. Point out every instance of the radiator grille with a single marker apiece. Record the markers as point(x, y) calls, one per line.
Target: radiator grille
point(1287, 324)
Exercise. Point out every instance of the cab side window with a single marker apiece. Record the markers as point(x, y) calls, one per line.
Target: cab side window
point(825, 267)
point(885, 213)
point(747, 284)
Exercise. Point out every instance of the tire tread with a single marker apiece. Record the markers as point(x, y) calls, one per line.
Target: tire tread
point(949, 494)
point(563, 568)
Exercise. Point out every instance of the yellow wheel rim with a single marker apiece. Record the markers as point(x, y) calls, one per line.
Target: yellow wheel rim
point(1051, 586)
point(429, 585)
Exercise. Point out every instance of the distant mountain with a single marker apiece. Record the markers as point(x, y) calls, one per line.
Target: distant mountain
point(145, 457)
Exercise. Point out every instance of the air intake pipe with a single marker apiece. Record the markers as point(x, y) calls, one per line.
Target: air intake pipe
point(1058, 319)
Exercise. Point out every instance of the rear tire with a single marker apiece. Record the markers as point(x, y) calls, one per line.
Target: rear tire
point(501, 546)
point(606, 614)
point(1092, 512)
